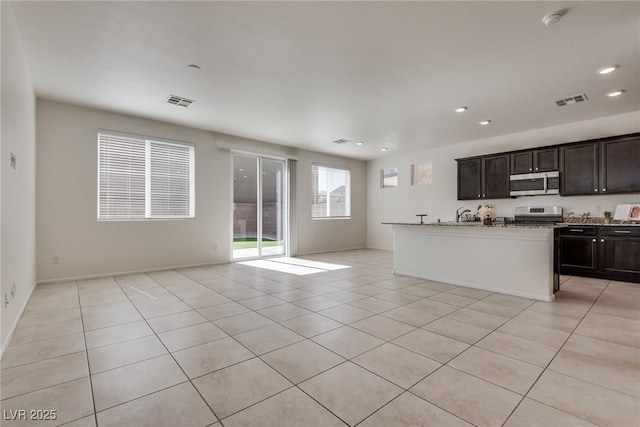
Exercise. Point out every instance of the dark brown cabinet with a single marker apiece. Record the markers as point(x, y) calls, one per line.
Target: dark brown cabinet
point(602, 166)
point(620, 165)
point(540, 160)
point(619, 251)
point(495, 177)
point(470, 179)
point(579, 169)
point(607, 252)
point(483, 177)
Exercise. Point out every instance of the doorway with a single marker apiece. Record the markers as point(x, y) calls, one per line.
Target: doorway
point(259, 206)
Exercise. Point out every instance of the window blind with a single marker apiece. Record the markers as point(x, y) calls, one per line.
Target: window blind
point(144, 179)
point(330, 192)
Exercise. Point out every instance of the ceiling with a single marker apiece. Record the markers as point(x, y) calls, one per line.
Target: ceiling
point(304, 74)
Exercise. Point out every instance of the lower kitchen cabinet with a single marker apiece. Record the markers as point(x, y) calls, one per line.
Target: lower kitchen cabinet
point(603, 252)
point(619, 252)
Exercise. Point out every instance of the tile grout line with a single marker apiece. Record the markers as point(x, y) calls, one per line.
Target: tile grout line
point(554, 356)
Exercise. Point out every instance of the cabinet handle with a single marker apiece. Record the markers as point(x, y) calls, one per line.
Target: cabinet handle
point(576, 230)
point(622, 231)
point(484, 195)
point(601, 240)
point(604, 189)
point(595, 189)
point(529, 168)
point(594, 240)
point(478, 195)
point(537, 168)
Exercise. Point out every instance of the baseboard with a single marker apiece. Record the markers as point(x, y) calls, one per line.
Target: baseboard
point(330, 250)
point(5, 344)
point(124, 273)
point(380, 249)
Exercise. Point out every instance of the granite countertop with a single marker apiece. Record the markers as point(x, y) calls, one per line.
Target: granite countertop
point(510, 224)
point(475, 224)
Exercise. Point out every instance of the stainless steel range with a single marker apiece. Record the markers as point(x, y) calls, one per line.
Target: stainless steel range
point(538, 214)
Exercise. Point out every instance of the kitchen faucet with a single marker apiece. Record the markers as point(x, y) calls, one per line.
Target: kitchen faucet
point(459, 214)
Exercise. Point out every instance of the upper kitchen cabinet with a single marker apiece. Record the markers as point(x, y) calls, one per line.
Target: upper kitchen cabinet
point(579, 169)
point(495, 177)
point(620, 165)
point(483, 177)
point(470, 179)
point(540, 160)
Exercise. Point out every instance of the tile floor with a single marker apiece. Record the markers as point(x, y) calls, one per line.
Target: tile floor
point(238, 345)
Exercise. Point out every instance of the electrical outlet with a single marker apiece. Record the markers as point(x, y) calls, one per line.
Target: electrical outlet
point(6, 300)
point(598, 208)
point(55, 259)
point(13, 291)
point(14, 162)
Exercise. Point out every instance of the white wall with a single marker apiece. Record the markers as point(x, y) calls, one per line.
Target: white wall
point(66, 195)
point(439, 200)
point(17, 212)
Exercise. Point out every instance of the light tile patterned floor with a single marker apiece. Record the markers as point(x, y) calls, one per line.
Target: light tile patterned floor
point(238, 345)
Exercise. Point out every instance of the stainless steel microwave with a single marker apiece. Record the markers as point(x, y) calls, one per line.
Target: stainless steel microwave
point(531, 184)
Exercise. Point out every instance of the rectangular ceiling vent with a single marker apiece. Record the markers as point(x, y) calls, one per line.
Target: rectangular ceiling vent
point(180, 101)
point(341, 141)
point(572, 100)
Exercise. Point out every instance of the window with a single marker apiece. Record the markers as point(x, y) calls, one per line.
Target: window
point(141, 178)
point(330, 192)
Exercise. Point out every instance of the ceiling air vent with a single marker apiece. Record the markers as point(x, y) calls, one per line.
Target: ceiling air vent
point(341, 141)
point(180, 101)
point(572, 100)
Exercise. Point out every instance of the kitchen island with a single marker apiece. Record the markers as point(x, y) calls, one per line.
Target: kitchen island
point(511, 259)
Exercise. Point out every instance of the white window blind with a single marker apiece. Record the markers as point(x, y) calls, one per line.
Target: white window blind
point(140, 178)
point(330, 192)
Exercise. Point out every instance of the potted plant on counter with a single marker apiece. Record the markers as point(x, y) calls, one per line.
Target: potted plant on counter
point(607, 217)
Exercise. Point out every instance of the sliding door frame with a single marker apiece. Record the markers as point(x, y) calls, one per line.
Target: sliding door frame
point(286, 206)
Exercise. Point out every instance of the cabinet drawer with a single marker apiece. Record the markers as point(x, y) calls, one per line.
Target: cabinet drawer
point(577, 231)
point(620, 231)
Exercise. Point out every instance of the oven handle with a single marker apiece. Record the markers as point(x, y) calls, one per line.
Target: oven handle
point(545, 183)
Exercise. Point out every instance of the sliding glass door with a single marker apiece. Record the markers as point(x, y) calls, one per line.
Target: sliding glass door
point(259, 206)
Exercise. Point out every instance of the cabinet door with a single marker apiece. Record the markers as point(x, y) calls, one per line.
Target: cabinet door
point(620, 255)
point(521, 162)
point(579, 169)
point(620, 165)
point(469, 179)
point(577, 254)
point(495, 172)
point(545, 160)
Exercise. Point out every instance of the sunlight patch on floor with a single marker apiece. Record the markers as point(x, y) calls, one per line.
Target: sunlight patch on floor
point(300, 267)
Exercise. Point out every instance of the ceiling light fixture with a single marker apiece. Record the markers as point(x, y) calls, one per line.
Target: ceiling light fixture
point(554, 17)
point(608, 69)
point(193, 67)
point(384, 149)
point(615, 93)
point(461, 109)
point(484, 122)
point(360, 143)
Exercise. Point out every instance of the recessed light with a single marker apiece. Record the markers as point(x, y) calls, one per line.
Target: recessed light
point(241, 170)
point(608, 69)
point(485, 122)
point(360, 143)
point(193, 67)
point(461, 109)
point(615, 93)
point(384, 149)
point(245, 176)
